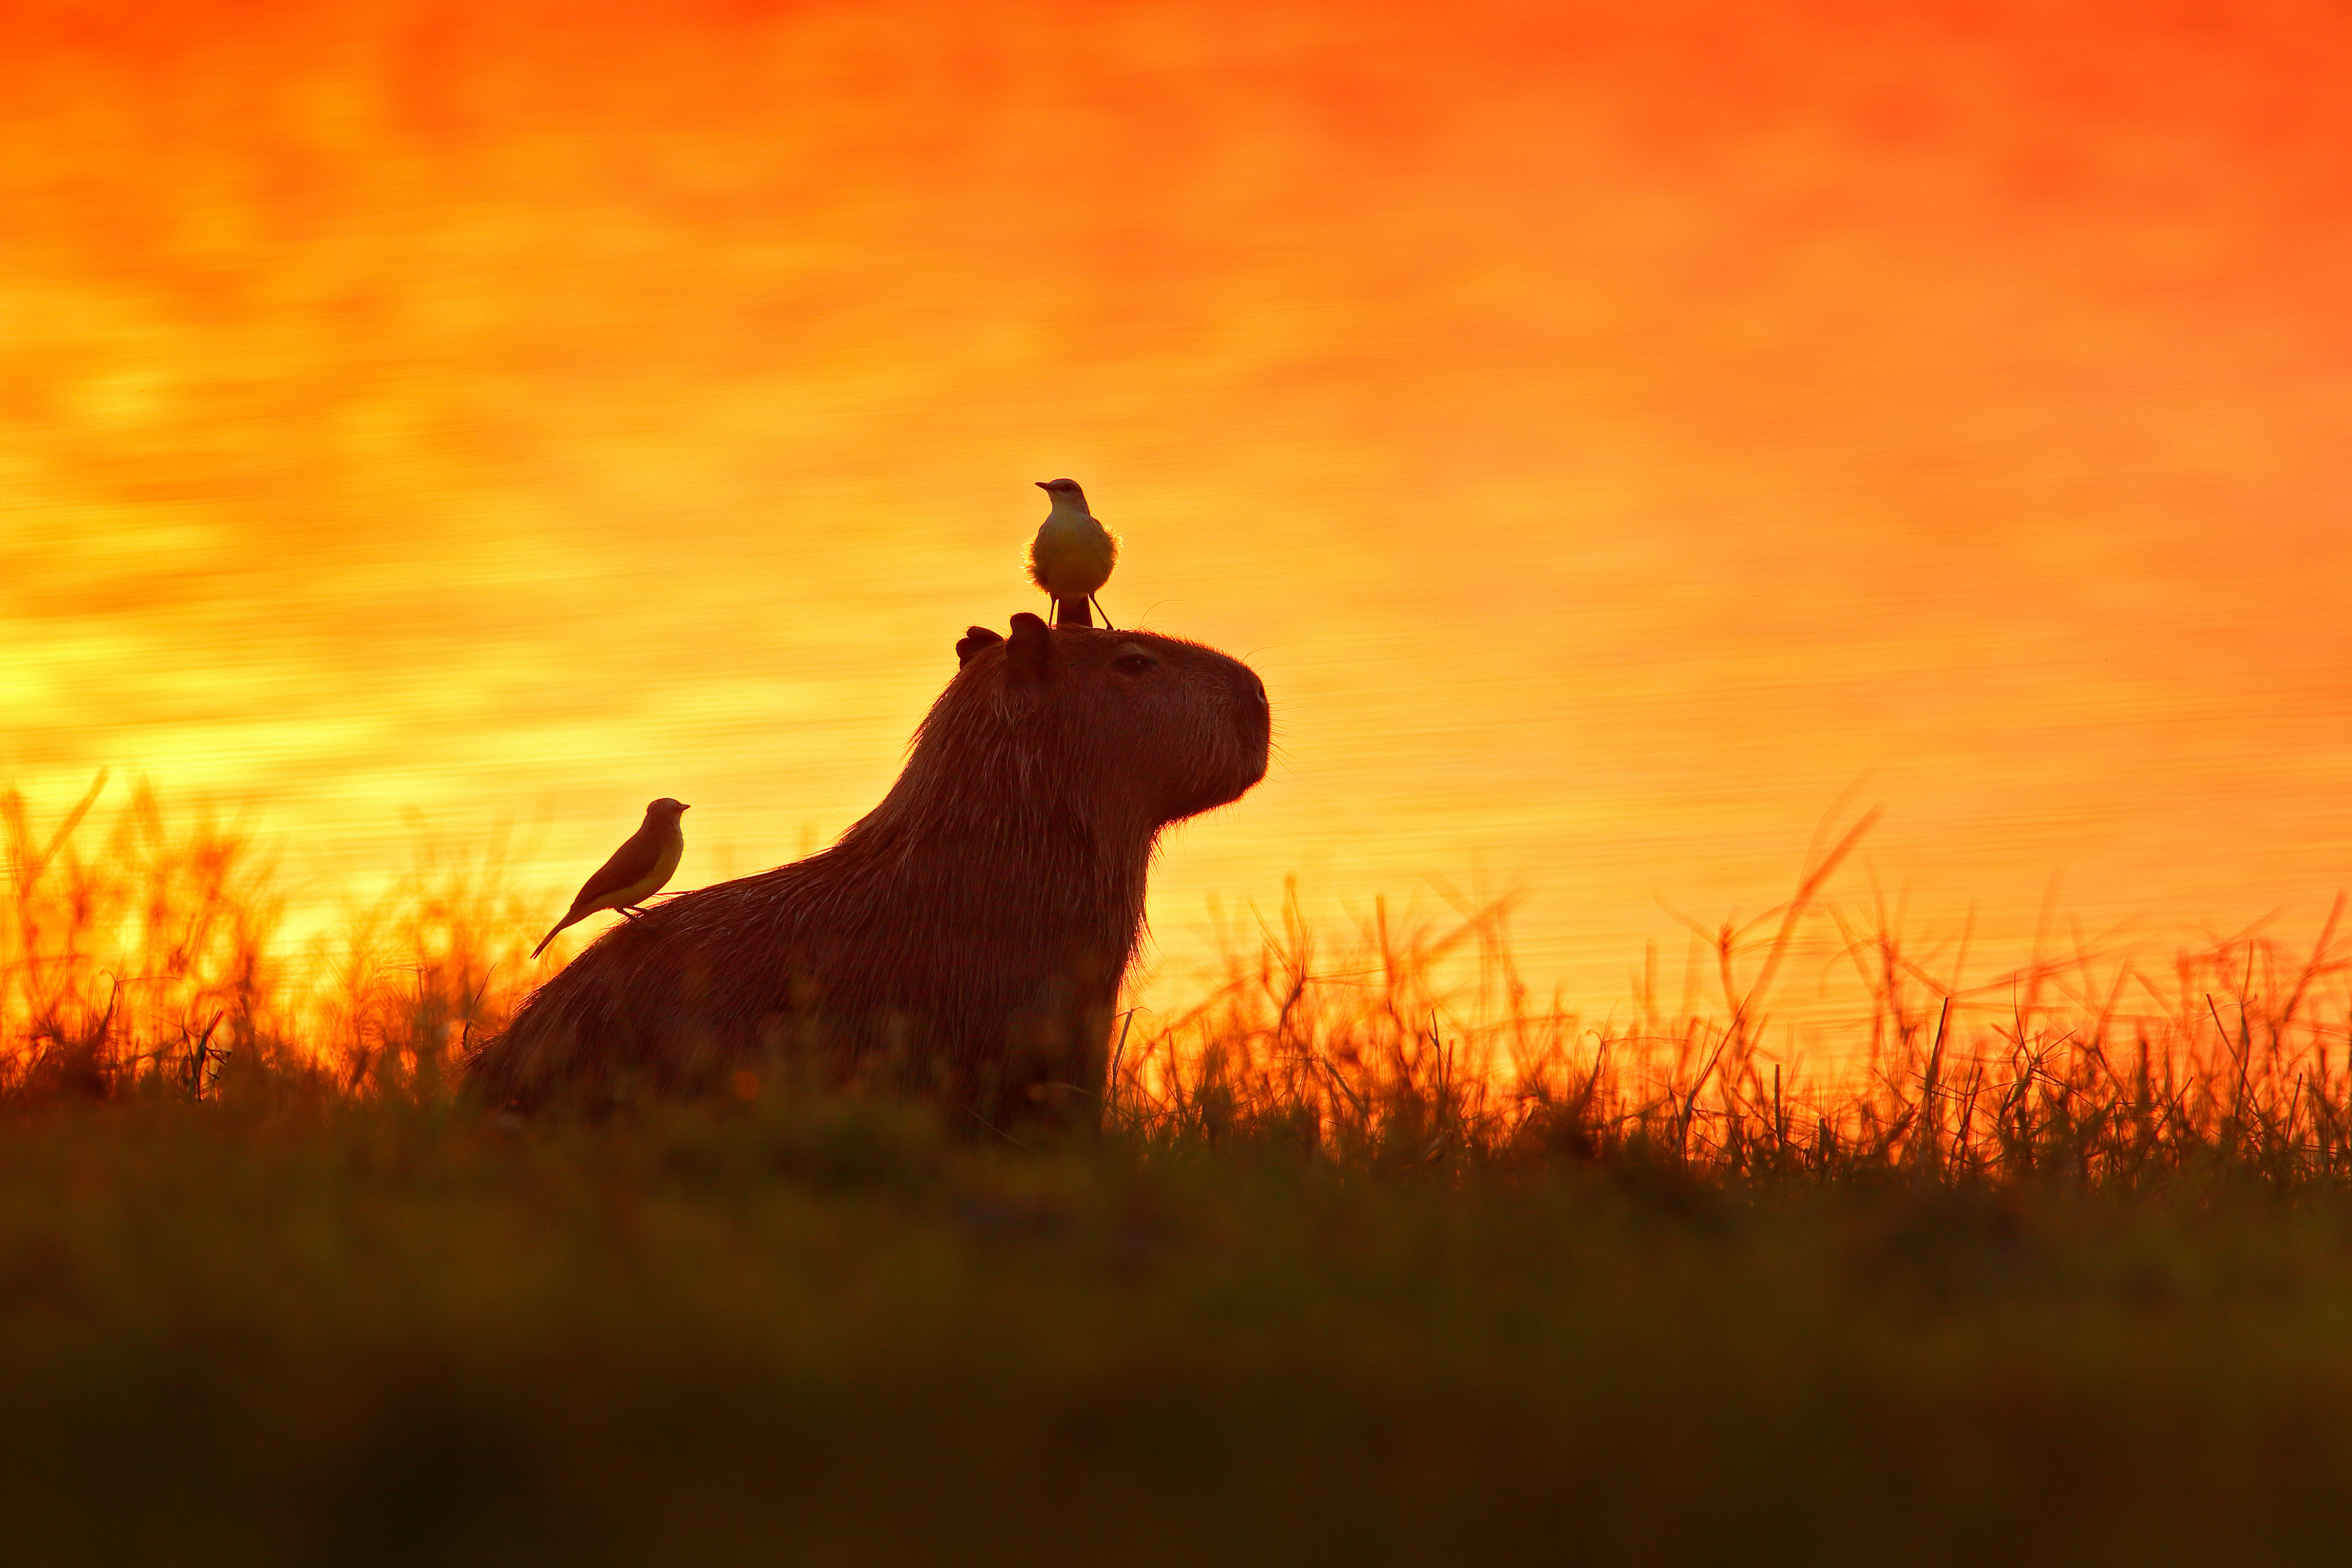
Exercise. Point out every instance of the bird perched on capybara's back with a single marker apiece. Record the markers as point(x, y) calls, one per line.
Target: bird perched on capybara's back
point(966, 938)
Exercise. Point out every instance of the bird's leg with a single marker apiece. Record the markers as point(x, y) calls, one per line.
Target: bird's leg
point(632, 911)
point(1103, 613)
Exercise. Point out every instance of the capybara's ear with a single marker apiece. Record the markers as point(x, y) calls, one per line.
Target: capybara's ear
point(1030, 649)
point(974, 638)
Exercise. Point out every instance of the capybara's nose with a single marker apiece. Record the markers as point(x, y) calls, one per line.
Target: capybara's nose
point(1254, 693)
point(1256, 716)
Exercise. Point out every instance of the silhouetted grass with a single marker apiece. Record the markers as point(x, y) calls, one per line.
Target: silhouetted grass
point(2070, 1070)
point(150, 952)
point(1376, 1259)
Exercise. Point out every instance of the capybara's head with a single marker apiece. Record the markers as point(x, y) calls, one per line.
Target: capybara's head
point(1141, 728)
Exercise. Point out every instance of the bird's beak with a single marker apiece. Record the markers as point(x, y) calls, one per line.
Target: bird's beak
point(1043, 484)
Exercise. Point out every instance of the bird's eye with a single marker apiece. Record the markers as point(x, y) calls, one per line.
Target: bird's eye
point(1134, 663)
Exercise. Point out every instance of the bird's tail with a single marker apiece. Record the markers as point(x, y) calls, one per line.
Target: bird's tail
point(1072, 612)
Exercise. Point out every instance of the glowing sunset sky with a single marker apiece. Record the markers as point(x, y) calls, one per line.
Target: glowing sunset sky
point(1613, 440)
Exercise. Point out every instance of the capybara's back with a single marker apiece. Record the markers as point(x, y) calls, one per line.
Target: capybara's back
point(965, 939)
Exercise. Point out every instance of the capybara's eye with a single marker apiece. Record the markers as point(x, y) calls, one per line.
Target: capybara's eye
point(1134, 663)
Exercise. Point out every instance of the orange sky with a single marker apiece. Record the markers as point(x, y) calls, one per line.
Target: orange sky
point(1613, 440)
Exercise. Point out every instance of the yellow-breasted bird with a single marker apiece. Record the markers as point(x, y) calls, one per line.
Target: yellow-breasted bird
point(1073, 554)
point(637, 870)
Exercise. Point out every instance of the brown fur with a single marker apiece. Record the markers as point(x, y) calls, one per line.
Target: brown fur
point(966, 938)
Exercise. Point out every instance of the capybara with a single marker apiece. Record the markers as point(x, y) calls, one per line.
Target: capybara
point(966, 939)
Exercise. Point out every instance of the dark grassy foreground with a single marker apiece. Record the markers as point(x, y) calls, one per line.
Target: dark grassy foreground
point(1365, 1268)
point(267, 1329)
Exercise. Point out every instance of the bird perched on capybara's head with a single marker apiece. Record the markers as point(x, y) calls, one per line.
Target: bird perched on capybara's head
point(965, 939)
point(1072, 553)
